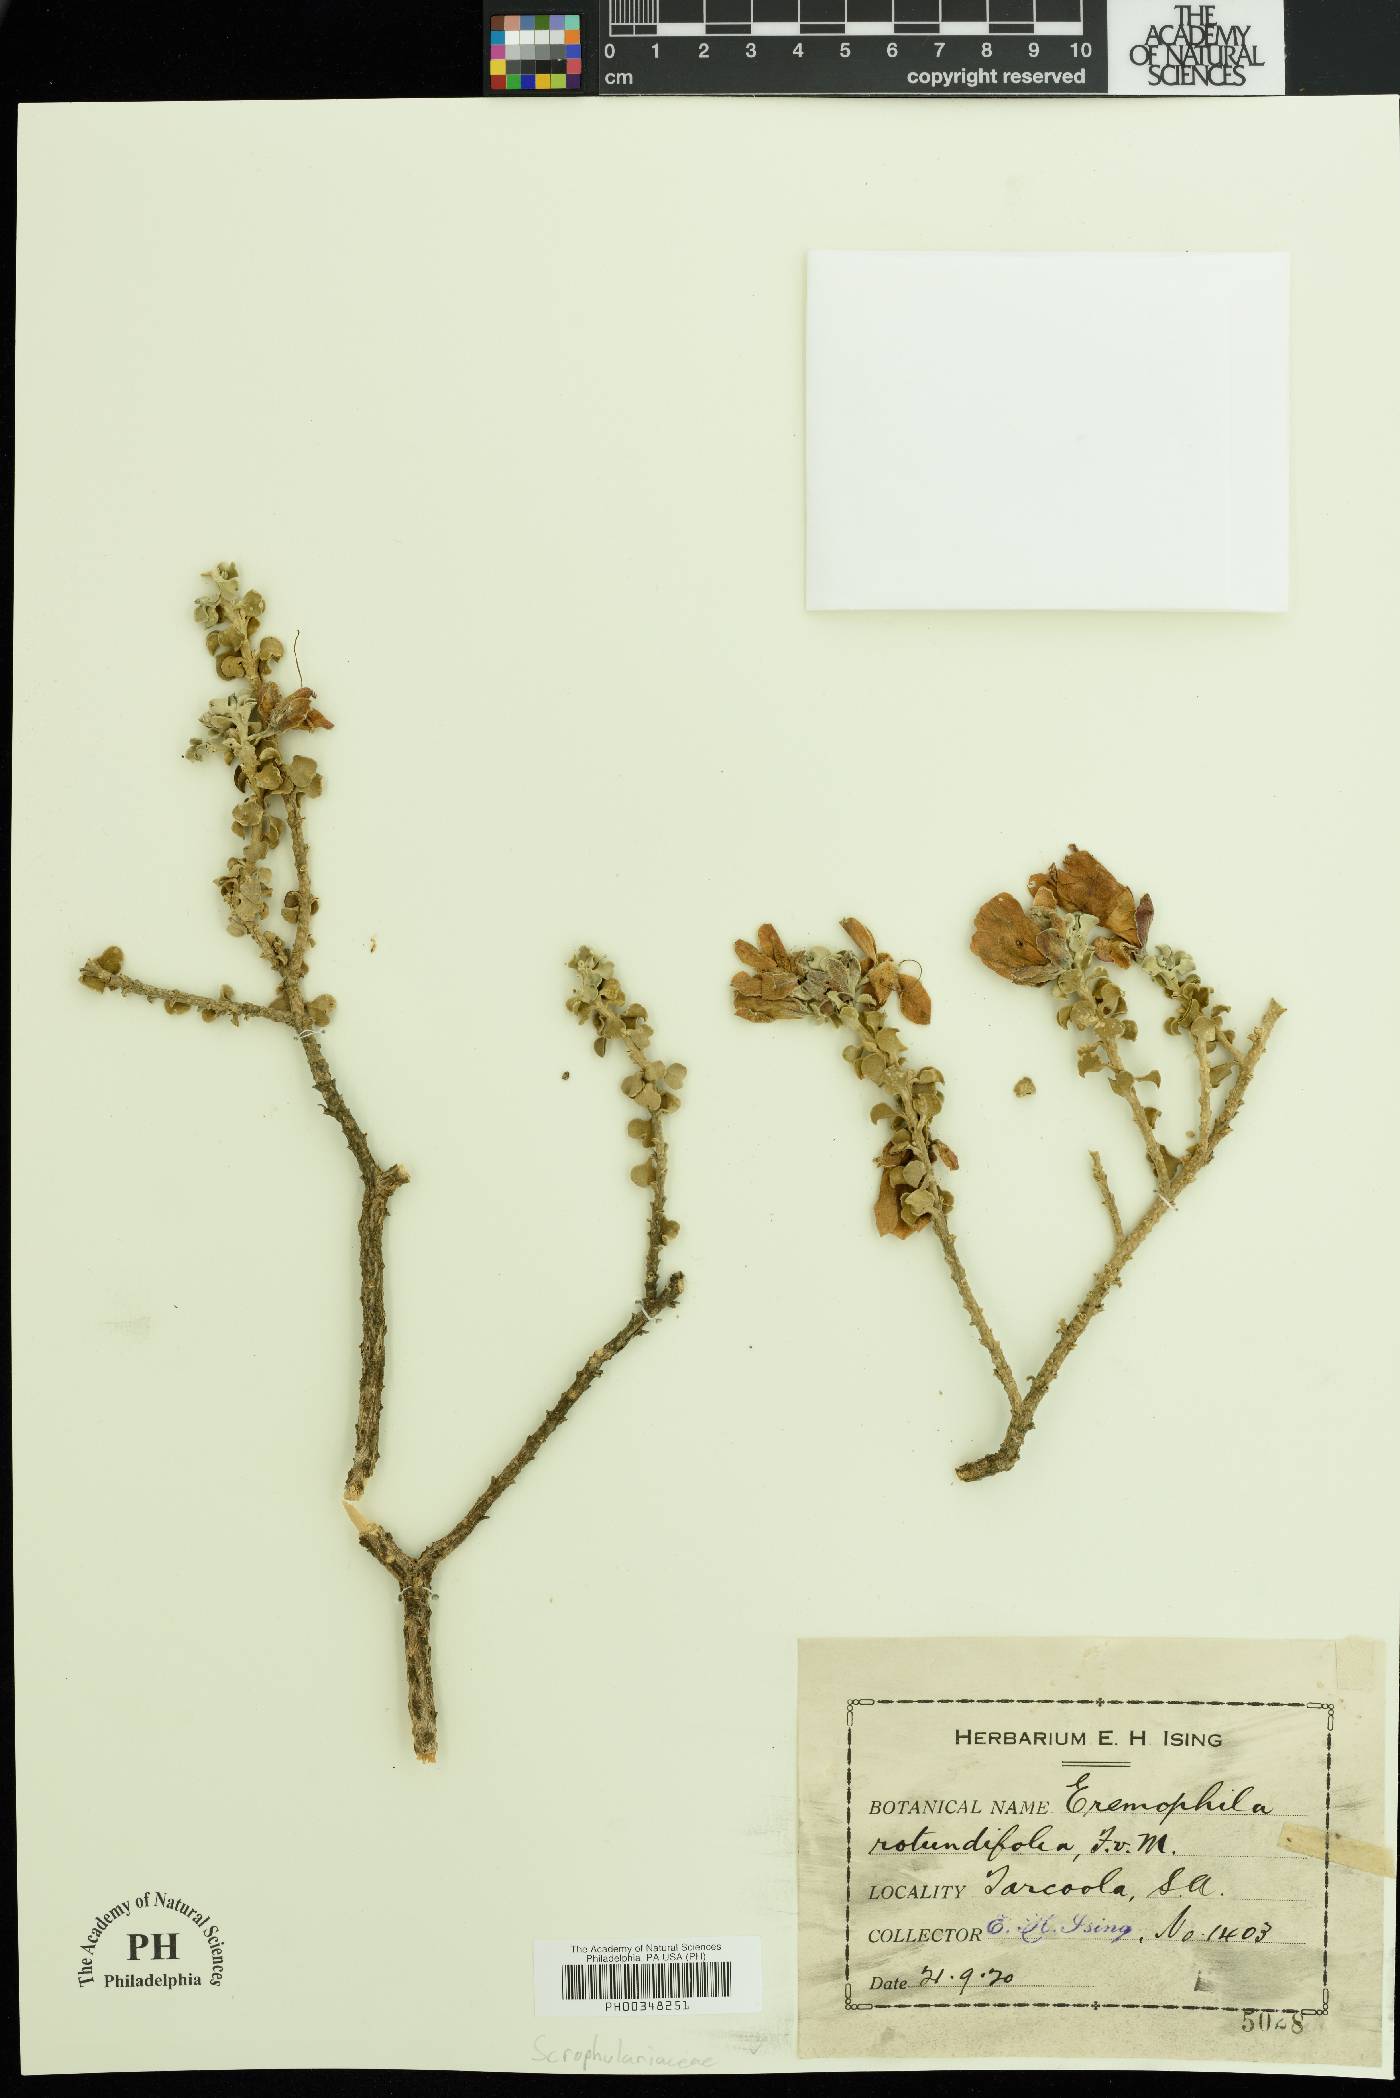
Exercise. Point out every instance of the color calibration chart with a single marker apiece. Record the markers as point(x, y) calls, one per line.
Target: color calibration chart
point(997, 47)
point(535, 54)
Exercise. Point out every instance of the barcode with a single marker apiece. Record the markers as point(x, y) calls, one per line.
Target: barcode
point(700, 1976)
point(631, 1981)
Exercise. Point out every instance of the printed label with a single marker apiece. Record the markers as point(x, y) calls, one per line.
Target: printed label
point(1195, 47)
point(646, 1977)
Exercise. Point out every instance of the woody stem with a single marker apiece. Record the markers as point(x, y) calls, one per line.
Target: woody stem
point(897, 1085)
point(1128, 1087)
point(1202, 1152)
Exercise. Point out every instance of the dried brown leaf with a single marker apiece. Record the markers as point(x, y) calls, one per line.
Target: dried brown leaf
point(769, 941)
point(1083, 883)
point(914, 1001)
point(898, 1224)
point(881, 980)
point(1118, 952)
point(863, 937)
point(1006, 939)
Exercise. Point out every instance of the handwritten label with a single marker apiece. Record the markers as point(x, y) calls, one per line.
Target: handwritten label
point(1149, 1846)
point(1038, 1855)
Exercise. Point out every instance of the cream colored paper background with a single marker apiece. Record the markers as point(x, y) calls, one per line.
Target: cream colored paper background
point(503, 409)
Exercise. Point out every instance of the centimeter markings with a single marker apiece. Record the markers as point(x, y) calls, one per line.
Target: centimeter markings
point(844, 18)
point(854, 47)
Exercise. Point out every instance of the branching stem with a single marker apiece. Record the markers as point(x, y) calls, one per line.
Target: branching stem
point(378, 1182)
point(1204, 1116)
point(245, 727)
point(414, 1571)
point(1202, 1152)
point(414, 1574)
point(1128, 1087)
point(947, 1244)
point(132, 987)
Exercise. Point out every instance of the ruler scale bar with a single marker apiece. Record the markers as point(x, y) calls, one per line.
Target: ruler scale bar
point(856, 47)
point(819, 25)
point(653, 18)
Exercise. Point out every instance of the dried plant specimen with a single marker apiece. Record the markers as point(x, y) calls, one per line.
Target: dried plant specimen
point(245, 726)
point(1081, 934)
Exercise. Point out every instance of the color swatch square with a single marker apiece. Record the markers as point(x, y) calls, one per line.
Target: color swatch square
point(535, 54)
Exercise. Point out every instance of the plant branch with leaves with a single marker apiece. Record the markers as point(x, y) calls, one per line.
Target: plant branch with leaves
point(1081, 934)
point(652, 1086)
point(245, 727)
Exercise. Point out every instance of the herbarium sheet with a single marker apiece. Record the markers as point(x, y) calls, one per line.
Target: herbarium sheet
point(461, 1365)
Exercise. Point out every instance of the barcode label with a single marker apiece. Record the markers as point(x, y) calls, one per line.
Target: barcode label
point(648, 1977)
point(630, 1979)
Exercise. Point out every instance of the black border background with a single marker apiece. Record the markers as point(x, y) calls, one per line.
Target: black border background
point(216, 50)
point(129, 50)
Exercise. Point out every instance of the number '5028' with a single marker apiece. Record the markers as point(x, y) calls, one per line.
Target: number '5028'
point(1272, 2021)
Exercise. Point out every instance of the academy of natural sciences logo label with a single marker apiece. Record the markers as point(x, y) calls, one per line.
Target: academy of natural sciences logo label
point(152, 1940)
point(1196, 49)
